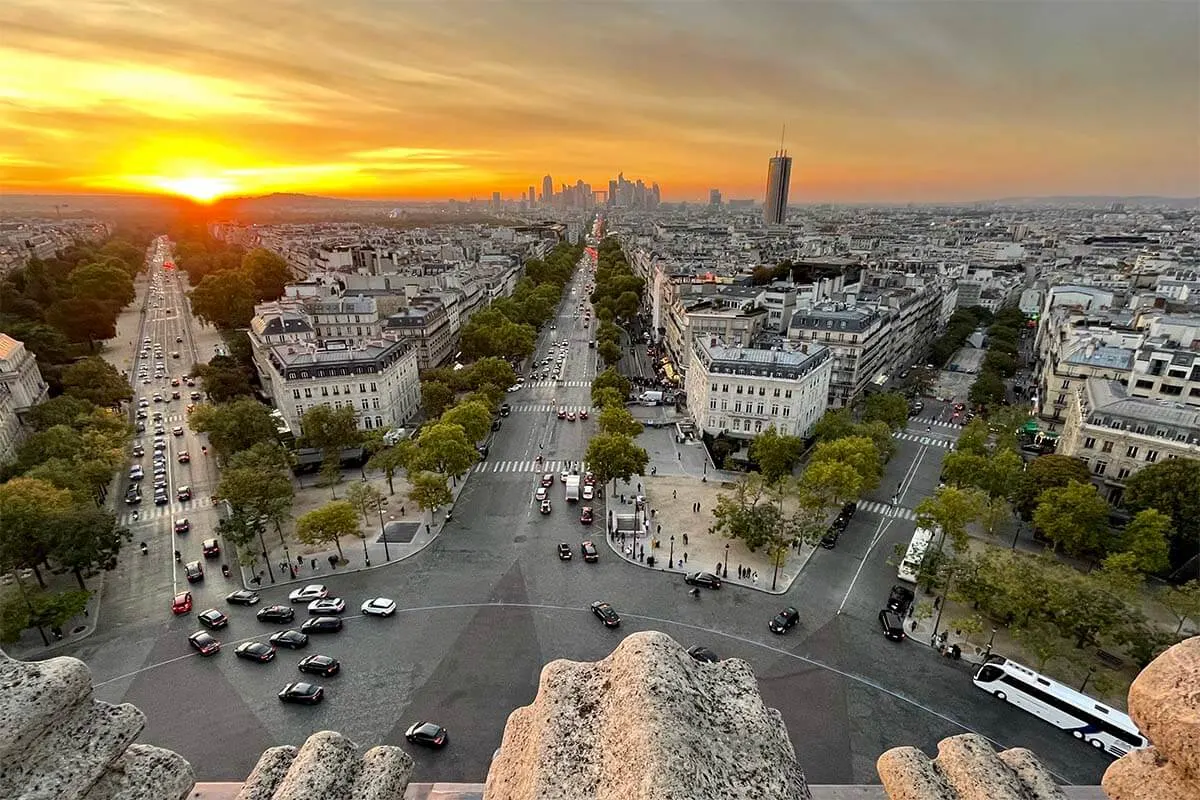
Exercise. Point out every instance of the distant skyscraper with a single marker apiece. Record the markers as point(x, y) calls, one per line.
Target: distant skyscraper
point(532, 197)
point(714, 197)
point(612, 193)
point(779, 175)
point(547, 190)
point(495, 199)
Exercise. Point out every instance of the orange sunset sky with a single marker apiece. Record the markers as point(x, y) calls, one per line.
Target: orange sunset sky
point(884, 101)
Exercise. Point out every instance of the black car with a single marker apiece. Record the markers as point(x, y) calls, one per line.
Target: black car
point(255, 651)
point(316, 664)
point(307, 693)
point(322, 625)
point(564, 551)
point(606, 614)
point(293, 640)
point(705, 579)
point(590, 553)
point(830, 539)
point(703, 654)
point(243, 597)
point(428, 734)
point(892, 625)
point(212, 619)
point(784, 621)
point(900, 599)
point(205, 643)
point(194, 571)
point(848, 510)
point(505, 409)
point(276, 614)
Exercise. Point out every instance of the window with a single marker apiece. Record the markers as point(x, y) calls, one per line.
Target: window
point(308, 392)
point(737, 407)
point(299, 411)
point(724, 404)
point(1066, 384)
point(758, 426)
point(365, 404)
point(1089, 443)
point(1152, 456)
point(295, 394)
point(372, 386)
point(787, 412)
point(1131, 451)
point(362, 388)
point(777, 393)
point(335, 391)
point(725, 388)
point(324, 391)
point(1100, 466)
point(774, 409)
point(762, 390)
point(379, 422)
point(714, 387)
point(367, 423)
point(739, 389)
point(787, 395)
point(1106, 447)
point(1122, 473)
point(374, 402)
point(760, 409)
point(712, 405)
point(346, 389)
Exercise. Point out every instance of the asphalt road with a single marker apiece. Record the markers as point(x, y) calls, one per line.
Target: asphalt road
point(488, 604)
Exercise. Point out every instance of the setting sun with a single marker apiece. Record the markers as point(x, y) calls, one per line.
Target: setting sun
point(200, 189)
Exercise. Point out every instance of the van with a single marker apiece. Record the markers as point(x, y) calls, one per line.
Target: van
point(892, 625)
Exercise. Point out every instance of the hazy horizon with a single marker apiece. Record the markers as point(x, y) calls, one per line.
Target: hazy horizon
point(884, 102)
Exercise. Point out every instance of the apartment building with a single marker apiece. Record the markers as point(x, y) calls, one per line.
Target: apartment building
point(727, 312)
point(21, 388)
point(857, 339)
point(425, 325)
point(743, 391)
point(349, 318)
point(1117, 434)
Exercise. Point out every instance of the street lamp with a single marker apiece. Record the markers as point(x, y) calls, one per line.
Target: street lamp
point(726, 575)
point(776, 557)
point(671, 557)
point(987, 651)
point(1086, 678)
point(382, 532)
point(366, 555)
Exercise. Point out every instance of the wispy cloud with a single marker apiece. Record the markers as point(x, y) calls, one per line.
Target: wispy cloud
point(885, 100)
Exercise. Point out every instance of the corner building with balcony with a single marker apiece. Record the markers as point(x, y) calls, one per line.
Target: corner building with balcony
point(742, 391)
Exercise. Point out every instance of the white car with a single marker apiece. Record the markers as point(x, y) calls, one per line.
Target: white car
point(541, 494)
point(314, 591)
point(562, 476)
point(327, 605)
point(589, 492)
point(379, 607)
point(516, 387)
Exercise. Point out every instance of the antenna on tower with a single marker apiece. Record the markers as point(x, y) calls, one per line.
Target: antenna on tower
point(782, 136)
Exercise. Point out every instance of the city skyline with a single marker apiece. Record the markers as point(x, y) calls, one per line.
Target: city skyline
point(884, 102)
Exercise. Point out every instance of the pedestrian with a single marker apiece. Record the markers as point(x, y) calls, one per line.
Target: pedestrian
point(679, 563)
point(937, 602)
point(674, 495)
point(639, 488)
point(754, 577)
point(299, 561)
point(684, 536)
point(685, 556)
point(314, 565)
point(402, 511)
point(718, 569)
point(333, 561)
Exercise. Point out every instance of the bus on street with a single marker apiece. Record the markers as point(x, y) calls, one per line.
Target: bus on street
point(910, 565)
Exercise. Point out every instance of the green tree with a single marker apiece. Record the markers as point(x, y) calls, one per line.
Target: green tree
point(268, 272)
point(235, 426)
point(429, 490)
point(390, 460)
point(974, 438)
point(776, 454)
point(29, 508)
point(751, 513)
point(474, 418)
point(889, 408)
point(1042, 641)
point(1172, 486)
point(224, 379)
point(607, 397)
point(611, 456)
point(1182, 601)
point(225, 299)
point(329, 430)
point(610, 352)
point(83, 540)
point(364, 497)
point(109, 284)
point(1047, 472)
point(329, 523)
point(1074, 517)
point(835, 424)
point(965, 469)
point(491, 372)
point(95, 380)
point(62, 410)
point(951, 510)
point(1145, 539)
point(443, 448)
point(857, 451)
point(987, 390)
point(830, 483)
point(617, 419)
point(435, 398)
point(83, 320)
point(611, 379)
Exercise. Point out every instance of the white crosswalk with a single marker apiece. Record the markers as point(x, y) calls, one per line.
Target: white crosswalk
point(528, 466)
point(937, 423)
point(149, 511)
point(548, 407)
point(925, 439)
point(885, 510)
point(565, 384)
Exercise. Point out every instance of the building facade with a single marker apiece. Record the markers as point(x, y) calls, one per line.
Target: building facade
point(427, 327)
point(744, 391)
point(779, 176)
point(21, 388)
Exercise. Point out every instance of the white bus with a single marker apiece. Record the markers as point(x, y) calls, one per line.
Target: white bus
point(910, 565)
point(1093, 722)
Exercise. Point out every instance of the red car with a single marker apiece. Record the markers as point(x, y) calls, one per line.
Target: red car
point(182, 603)
point(585, 515)
point(548, 479)
point(583, 413)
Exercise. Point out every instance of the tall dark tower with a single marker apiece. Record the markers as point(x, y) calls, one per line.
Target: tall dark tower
point(779, 175)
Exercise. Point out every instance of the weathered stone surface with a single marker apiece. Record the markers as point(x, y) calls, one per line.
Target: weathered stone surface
point(646, 723)
point(1164, 701)
point(329, 767)
point(57, 741)
point(966, 768)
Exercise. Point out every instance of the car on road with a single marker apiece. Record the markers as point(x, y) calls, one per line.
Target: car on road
point(321, 625)
point(505, 409)
point(211, 548)
point(133, 497)
point(703, 654)
point(136, 473)
point(562, 413)
point(205, 643)
point(570, 416)
point(585, 515)
point(193, 395)
point(181, 603)
point(548, 480)
point(583, 414)
point(314, 591)
point(276, 614)
point(194, 571)
point(138, 451)
point(705, 579)
point(590, 553)
point(784, 621)
point(293, 640)
point(588, 492)
point(184, 494)
point(541, 494)
point(161, 499)
point(379, 607)
point(564, 551)
point(563, 475)
point(327, 605)
point(301, 692)
point(213, 619)
point(182, 525)
point(255, 651)
point(606, 614)
point(900, 599)
point(892, 625)
point(316, 664)
point(177, 430)
point(183, 457)
point(427, 734)
point(545, 507)
point(830, 539)
point(242, 597)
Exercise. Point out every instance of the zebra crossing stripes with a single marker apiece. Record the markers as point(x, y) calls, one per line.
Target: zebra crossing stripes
point(173, 509)
point(527, 466)
point(925, 439)
point(548, 407)
point(565, 384)
point(937, 423)
point(885, 510)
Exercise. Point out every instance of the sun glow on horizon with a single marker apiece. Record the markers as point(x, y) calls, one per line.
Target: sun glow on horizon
point(200, 188)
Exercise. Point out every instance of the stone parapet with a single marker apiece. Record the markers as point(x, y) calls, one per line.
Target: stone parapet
point(966, 768)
